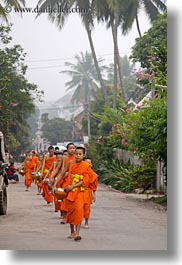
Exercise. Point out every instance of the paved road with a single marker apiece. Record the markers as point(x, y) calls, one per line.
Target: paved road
point(117, 223)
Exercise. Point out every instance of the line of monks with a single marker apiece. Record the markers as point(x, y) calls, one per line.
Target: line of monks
point(69, 170)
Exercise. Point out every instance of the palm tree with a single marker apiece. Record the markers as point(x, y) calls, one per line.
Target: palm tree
point(123, 13)
point(110, 12)
point(6, 4)
point(84, 81)
point(87, 18)
point(129, 80)
point(132, 8)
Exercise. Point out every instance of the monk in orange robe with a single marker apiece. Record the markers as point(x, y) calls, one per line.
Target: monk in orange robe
point(29, 166)
point(34, 156)
point(38, 170)
point(62, 178)
point(90, 192)
point(50, 158)
point(78, 179)
point(55, 168)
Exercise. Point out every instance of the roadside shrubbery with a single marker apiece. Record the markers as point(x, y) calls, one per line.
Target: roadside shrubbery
point(126, 177)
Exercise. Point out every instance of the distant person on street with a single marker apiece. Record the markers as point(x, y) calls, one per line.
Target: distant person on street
point(39, 172)
point(11, 172)
point(49, 159)
point(29, 166)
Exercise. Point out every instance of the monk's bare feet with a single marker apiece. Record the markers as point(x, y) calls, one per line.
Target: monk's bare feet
point(71, 235)
point(86, 227)
point(77, 238)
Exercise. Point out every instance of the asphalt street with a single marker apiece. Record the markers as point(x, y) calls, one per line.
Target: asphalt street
point(118, 222)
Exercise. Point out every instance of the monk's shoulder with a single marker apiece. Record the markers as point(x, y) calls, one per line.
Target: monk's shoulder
point(85, 164)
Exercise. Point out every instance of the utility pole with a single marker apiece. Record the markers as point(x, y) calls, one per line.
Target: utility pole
point(73, 132)
point(88, 117)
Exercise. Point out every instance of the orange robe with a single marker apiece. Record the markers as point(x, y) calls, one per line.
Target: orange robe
point(29, 167)
point(35, 159)
point(63, 183)
point(75, 198)
point(88, 192)
point(38, 169)
point(56, 202)
point(46, 193)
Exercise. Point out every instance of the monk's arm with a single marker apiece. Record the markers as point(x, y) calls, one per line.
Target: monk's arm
point(59, 177)
point(50, 169)
point(70, 187)
point(56, 170)
point(22, 165)
point(38, 169)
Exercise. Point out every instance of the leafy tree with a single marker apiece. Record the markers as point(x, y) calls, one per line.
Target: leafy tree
point(16, 93)
point(148, 131)
point(153, 39)
point(84, 78)
point(56, 130)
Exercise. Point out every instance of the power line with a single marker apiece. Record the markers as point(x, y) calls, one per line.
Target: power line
point(55, 66)
point(52, 66)
point(67, 58)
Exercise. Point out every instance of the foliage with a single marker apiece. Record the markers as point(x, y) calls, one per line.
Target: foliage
point(132, 7)
point(129, 80)
point(148, 134)
point(84, 78)
point(154, 38)
point(15, 3)
point(126, 177)
point(16, 93)
point(97, 106)
point(116, 175)
point(144, 131)
point(140, 129)
point(56, 130)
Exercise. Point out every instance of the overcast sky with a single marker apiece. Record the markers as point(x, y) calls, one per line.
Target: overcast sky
point(48, 48)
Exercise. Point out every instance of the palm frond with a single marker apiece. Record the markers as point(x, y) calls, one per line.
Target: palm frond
point(151, 9)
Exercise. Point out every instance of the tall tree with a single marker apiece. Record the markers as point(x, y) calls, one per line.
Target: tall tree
point(16, 93)
point(123, 13)
point(84, 78)
point(110, 12)
point(155, 37)
point(84, 81)
point(130, 15)
point(129, 80)
point(59, 18)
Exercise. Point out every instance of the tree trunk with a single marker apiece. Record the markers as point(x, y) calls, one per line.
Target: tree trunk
point(88, 118)
point(97, 65)
point(138, 26)
point(115, 90)
point(120, 72)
